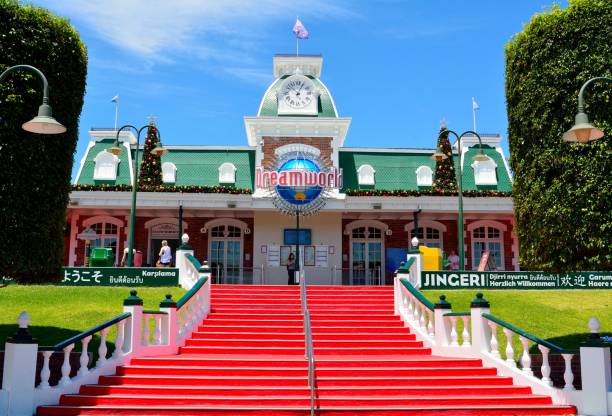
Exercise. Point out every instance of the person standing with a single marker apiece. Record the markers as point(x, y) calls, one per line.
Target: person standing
point(165, 255)
point(453, 260)
point(291, 269)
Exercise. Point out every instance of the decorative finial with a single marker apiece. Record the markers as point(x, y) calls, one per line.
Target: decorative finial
point(23, 320)
point(152, 120)
point(443, 123)
point(594, 325)
point(22, 336)
point(185, 238)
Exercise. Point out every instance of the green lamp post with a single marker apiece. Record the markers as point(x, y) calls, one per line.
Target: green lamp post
point(582, 131)
point(480, 157)
point(43, 123)
point(115, 149)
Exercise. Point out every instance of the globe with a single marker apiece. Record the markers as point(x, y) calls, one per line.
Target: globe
point(299, 195)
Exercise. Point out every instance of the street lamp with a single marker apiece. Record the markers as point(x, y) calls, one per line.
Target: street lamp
point(43, 123)
point(582, 131)
point(115, 149)
point(480, 157)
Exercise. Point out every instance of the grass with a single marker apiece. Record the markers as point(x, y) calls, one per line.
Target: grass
point(59, 312)
point(558, 316)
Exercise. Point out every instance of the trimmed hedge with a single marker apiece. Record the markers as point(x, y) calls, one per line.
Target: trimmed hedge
point(193, 189)
point(35, 169)
point(562, 191)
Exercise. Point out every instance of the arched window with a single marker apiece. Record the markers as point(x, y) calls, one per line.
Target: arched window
point(424, 176)
point(488, 238)
point(227, 173)
point(485, 172)
point(365, 175)
point(105, 166)
point(168, 172)
point(108, 236)
point(430, 233)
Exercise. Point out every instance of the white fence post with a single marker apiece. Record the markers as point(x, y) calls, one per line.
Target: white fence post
point(133, 328)
point(416, 268)
point(481, 338)
point(181, 261)
point(595, 372)
point(442, 329)
point(169, 330)
point(20, 352)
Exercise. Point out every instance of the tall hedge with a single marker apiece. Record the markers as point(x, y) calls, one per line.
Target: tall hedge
point(35, 169)
point(562, 191)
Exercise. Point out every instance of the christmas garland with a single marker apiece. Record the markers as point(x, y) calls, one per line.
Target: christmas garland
point(426, 192)
point(194, 189)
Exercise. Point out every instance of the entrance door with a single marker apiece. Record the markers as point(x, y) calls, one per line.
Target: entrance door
point(156, 246)
point(226, 254)
point(366, 256)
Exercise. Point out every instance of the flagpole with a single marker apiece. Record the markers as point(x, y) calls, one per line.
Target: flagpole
point(297, 46)
point(474, 113)
point(116, 113)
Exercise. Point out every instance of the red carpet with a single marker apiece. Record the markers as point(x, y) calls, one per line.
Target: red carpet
point(247, 358)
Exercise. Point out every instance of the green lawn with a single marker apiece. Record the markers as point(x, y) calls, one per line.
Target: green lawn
point(558, 316)
point(59, 312)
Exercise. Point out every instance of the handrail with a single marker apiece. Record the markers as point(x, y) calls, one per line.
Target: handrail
point(185, 298)
point(526, 334)
point(417, 294)
point(73, 340)
point(308, 341)
point(154, 313)
point(193, 261)
point(458, 314)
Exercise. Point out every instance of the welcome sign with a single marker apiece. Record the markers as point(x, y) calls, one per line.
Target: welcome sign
point(515, 280)
point(119, 276)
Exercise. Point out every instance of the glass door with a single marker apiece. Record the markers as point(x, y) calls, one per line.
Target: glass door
point(232, 262)
point(358, 263)
point(374, 256)
point(217, 260)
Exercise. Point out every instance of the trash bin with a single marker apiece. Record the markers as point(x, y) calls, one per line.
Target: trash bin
point(138, 258)
point(102, 257)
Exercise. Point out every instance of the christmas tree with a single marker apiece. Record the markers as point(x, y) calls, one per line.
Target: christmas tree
point(150, 168)
point(445, 178)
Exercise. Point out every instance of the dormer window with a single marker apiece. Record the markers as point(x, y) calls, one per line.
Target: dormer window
point(168, 172)
point(485, 172)
point(365, 175)
point(105, 166)
point(227, 173)
point(424, 176)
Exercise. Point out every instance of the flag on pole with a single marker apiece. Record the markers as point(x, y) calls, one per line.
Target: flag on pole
point(475, 105)
point(115, 99)
point(299, 30)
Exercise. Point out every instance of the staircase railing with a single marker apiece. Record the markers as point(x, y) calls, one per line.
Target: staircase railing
point(309, 351)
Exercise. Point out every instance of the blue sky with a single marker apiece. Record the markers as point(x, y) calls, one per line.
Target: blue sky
point(396, 67)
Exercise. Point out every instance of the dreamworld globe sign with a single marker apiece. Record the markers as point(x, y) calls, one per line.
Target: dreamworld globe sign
point(299, 185)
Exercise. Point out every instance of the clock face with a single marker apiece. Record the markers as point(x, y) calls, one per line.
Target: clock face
point(298, 92)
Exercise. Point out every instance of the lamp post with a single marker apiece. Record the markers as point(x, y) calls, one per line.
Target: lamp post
point(43, 123)
point(582, 131)
point(115, 149)
point(480, 157)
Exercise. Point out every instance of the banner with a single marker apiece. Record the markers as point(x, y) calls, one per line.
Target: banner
point(515, 280)
point(119, 276)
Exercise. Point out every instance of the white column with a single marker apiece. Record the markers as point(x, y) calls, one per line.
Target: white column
point(481, 336)
point(441, 327)
point(417, 267)
point(20, 352)
point(133, 328)
point(181, 264)
point(72, 255)
point(169, 330)
point(595, 372)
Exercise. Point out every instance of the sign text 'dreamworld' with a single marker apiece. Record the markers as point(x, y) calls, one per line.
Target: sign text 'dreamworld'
point(119, 276)
point(516, 280)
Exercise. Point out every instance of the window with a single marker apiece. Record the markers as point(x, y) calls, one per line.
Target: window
point(105, 166)
point(365, 175)
point(485, 172)
point(107, 235)
point(227, 173)
point(168, 172)
point(431, 238)
point(491, 239)
point(424, 176)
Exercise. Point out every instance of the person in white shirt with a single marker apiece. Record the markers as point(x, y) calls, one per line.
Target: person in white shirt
point(165, 255)
point(453, 259)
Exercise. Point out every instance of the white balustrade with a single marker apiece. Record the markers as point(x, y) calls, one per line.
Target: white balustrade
point(465, 335)
point(430, 326)
point(545, 369)
point(45, 372)
point(157, 330)
point(525, 358)
point(119, 340)
point(494, 343)
point(102, 349)
point(509, 348)
point(84, 357)
point(146, 333)
point(453, 334)
point(65, 380)
point(568, 375)
point(422, 316)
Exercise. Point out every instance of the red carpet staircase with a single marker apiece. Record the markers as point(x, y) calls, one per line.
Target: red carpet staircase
point(247, 358)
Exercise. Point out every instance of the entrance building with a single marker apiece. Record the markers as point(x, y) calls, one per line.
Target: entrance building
point(359, 236)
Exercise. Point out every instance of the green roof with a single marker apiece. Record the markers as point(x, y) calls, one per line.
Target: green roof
point(396, 170)
point(195, 166)
point(269, 105)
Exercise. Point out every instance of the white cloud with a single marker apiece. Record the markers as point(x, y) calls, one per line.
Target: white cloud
point(159, 30)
